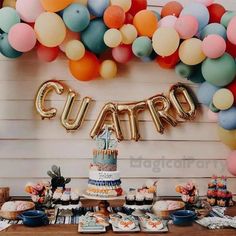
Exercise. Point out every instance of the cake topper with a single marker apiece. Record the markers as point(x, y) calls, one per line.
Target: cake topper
point(105, 141)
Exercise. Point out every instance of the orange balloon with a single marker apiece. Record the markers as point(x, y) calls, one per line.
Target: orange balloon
point(146, 23)
point(171, 8)
point(114, 17)
point(86, 68)
point(55, 5)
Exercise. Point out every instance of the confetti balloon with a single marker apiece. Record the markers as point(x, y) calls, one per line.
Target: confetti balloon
point(213, 28)
point(171, 8)
point(97, 8)
point(199, 11)
point(146, 23)
point(167, 21)
point(226, 18)
point(137, 5)
point(213, 46)
point(47, 54)
point(122, 54)
point(142, 46)
point(205, 2)
point(55, 6)
point(92, 37)
point(6, 49)
point(231, 31)
point(69, 36)
point(75, 50)
point(220, 71)
point(108, 69)
point(112, 38)
point(86, 68)
point(231, 163)
point(50, 29)
point(228, 137)
point(190, 51)
point(22, 37)
point(8, 18)
point(186, 26)
point(183, 70)
point(129, 33)
point(223, 99)
point(125, 4)
point(216, 12)
point(227, 119)
point(114, 17)
point(29, 10)
point(165, 41)
point(76, 17)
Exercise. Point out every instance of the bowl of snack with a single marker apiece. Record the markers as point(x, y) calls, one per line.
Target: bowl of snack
point(12, 209)
point(183, 217)
point(164, 208)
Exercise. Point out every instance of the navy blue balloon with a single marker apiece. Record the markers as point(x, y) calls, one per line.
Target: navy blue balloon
point(92, 37)
point(6, 49)
point(206, 92)
point(97, 7)
point(196, 76)
point(227, 119)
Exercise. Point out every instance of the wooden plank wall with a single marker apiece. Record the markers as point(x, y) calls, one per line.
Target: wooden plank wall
point(29, 146)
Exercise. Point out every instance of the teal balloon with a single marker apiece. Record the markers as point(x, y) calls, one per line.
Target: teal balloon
point(196, 76)
point(6, 49)
point(213, 108)
point(183, 70)
point(76, 17)
point(8, 18)
point(149, 58)
point(213, 28)
point(227, 119)
point(226, 18)
point(142, 46)
point(219, 72)
point(92, 37)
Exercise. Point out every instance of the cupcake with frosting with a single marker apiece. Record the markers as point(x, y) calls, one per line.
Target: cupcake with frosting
point(130, 198)
point(56, 197)
point(139, 199)
point(65, 199)
point(148, 198)
point(74, 196)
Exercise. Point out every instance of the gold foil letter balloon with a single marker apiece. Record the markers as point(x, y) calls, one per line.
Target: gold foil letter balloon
point(83, 108)
point(133, 109)
point(158, 107)
point(175, 92)
point(109, 109)
point(45, 88)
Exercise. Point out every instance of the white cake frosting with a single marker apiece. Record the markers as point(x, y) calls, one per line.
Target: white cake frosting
point(104, 175)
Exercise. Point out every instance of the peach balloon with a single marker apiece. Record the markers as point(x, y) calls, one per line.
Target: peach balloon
point(55, 5)
point(69, 36)
point(171, 8)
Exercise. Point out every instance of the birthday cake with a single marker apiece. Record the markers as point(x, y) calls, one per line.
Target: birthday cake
point(104, 179)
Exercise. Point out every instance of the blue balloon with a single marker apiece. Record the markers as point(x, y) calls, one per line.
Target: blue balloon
point(199, 11)
point(6, 49)
point(142, 46)
point(206, 92)
point(227, 119)
point(213, 28)
point(98, 7)
point(76, 17)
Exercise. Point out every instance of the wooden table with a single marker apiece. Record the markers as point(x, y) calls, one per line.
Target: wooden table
point(71, 230)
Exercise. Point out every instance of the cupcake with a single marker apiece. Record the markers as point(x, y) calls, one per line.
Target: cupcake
point(56, 197)
point(148, 198)
point(74, 198)
point(65, 199)
point(130, 198)
point(139, 199)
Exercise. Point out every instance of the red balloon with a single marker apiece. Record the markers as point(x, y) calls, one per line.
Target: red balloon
point(137, 5)
point(47, 54)
point(171, 8)
point(122, 53)
point(231, 48)
point(129, 18)
point(216, 12)
point(168, 62)
point(232, 88)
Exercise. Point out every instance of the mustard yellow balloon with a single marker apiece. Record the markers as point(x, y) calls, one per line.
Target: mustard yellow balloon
point(75, 50)
point(125, 4)
point(223, 99)
point(129, 33)
point(228, 137)
point(108, 69)
point(84, 2)
point(50, 29)
point(9, 3)
point(165, 41)
point(112, 38)
point(190, 52)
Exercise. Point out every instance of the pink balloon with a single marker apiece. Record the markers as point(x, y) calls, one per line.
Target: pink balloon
point(122, 53)
point(205, 2)
point(231, 163)
point(47, 54)
point(22, 37)
point(212, 116)
point(186, 26)
point(213, 46)
point(231, 30)
point(29, 10)
point(168, 21)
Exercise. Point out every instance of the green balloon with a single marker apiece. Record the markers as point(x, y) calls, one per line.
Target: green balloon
point(92, 36)
point(226, 18)
point(196, 76)
point(6, 49)
point(219, 72)
point(142, 46)
point(183, 70)
point(213, 108)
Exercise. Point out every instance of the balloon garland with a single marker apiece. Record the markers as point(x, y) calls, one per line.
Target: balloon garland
point(197, 40)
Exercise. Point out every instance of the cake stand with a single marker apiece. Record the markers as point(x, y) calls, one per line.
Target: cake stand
point(104, 203)
point(139, 210)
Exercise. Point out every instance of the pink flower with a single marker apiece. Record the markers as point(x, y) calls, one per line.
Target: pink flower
point(35, 198)
point(189, 186)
